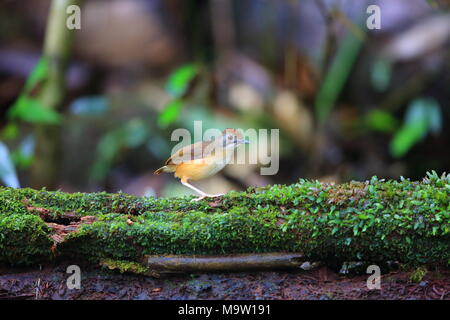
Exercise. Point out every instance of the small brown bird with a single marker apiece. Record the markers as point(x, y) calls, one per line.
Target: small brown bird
point(203, 159)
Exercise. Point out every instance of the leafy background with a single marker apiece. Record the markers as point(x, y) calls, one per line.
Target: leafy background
point(349, 102)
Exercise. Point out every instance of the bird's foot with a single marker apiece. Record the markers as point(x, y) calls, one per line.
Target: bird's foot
point(207, 196)
point(216, 195)
point(198, 199)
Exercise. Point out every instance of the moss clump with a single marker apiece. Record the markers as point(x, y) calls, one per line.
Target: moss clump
point(373, 221)
point(127, 267)
point(418, 274)
point(24, 239)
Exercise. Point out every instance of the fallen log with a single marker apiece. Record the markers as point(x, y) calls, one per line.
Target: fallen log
point(155, 265)
point(236, 262)
point(373, 221)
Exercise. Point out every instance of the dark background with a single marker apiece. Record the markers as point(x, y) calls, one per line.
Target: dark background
point(349, 102)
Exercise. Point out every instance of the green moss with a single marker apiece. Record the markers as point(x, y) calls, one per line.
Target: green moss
point(23, 239)
point(374, 221)
point(127, 267)
point(418, 274)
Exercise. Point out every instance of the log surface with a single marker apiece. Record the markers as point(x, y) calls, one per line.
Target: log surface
point(236, 262)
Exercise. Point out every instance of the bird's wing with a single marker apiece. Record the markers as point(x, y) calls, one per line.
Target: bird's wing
point(194, 151)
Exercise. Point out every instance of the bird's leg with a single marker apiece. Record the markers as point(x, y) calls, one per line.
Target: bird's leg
point(202, 194)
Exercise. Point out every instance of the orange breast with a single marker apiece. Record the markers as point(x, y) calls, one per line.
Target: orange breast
point(197, 169)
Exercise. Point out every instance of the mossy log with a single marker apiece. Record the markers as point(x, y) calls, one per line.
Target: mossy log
point(373, 221)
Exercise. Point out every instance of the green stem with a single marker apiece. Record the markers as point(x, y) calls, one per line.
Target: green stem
point(56, 51)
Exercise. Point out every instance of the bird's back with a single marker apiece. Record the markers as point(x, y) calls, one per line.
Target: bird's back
point(198, 150)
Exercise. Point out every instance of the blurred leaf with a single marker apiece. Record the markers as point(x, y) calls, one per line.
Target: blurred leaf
point(177, 85)
point(381, 74)
point(99, 170)
point(38, 75)
point(337, 75)
point(406, 137)
point(433, 3)
point(416, 111)
point(427, 108)
point(27, 107)
point(31, 110)
point(434, 116)
point(89, 106)
point(7, 171)
point(23, 155)
point(381, 121)
point(170, 113)
point(159, 147)
point(10, 131)
point(135, 133)
point(107, 148)
point(179, 80)
point(109, 145)
point(132, 134)
point(423, 115)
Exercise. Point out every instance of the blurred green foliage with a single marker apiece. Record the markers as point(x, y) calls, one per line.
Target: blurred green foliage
point(177, 86)
point(380, 120)
point(422, 116)
point(179, 79)
point(131, 134)
point(337, 75)
point(28, 107)
point(9, 131)
point(381, 74)
point(90, 106)
point(170, 113)
point(196, 91)
point(23, 155)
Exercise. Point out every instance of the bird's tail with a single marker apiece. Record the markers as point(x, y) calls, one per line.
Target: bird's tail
point(167, 168)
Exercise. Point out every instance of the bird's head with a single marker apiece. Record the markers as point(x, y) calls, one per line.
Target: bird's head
point(232, 138)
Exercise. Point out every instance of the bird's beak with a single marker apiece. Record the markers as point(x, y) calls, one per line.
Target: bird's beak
point(244, 141)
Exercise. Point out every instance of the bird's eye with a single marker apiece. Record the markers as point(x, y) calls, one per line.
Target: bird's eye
point(230, 137)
